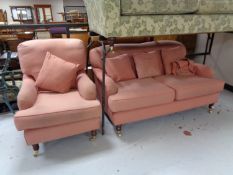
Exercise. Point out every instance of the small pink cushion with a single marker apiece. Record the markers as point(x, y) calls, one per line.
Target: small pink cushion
point(172, 54)
point(148, 64)
point(56, 74)
point(120, 68)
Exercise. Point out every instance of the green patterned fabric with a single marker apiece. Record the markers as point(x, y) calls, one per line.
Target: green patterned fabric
point(215, 6)
point(105, 19)
point(137, 7)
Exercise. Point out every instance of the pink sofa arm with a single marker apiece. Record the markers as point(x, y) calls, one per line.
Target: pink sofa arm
point(204, 71)
point(111, 86)
point(27, 94)
point(86, 87)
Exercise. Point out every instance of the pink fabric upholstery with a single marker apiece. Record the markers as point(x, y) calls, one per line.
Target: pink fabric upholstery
point(48, 116)
point(32, 53)
point(148, 64)
point(134, 115)
point(34, 136)
point(187, 87)
point(172, 54)
point(204, 71)
point(119, 68)
point(27, 94)
point(111, 86)
point(119, 49)
point(137, 101)
point(140, 93)
point(52, 109)
point(56, 74)
point(86, 87)
point(183, 67)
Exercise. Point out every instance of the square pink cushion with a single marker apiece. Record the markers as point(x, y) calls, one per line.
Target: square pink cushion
point(172, 54)
point(56, 74)
point(148, 64)
point(119, 68)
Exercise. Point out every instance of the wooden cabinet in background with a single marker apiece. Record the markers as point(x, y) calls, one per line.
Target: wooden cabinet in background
point(3, 16)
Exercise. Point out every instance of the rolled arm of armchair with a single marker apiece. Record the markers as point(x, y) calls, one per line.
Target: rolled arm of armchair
point(86, 87)
point(28, 93)
point(204, 71)
point(111, 86)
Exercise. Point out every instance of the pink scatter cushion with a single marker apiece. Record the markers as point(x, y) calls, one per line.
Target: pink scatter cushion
point(172, 54)
point(119, 68)
point(148, 64)
point(56, 74)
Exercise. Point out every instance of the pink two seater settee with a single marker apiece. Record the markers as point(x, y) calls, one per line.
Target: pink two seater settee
point(46, 115)
point(143, 98)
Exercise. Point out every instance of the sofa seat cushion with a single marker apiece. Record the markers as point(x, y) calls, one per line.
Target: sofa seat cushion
point(52, 109)
point(139, 93)
point(153, 7)
point(187, 87)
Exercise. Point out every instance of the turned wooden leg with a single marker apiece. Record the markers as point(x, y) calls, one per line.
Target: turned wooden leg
point(93, 135)
point(35, 150)
point(211, 108)
point(119, 130)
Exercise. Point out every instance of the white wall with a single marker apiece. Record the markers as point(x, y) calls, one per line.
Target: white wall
point(73, 2)
point(57, 6)
point(221, 58)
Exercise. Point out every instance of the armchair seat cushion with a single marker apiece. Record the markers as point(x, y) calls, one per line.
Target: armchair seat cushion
point(139, 93)
point(52, 109)
point(187, 87)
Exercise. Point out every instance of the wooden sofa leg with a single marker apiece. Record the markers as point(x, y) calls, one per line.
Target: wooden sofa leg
point(211, 108)
point(35, 150)
point(93, 135)
point(119, 130)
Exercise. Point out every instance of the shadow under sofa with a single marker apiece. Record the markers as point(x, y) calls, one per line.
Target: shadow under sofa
point(143, 98)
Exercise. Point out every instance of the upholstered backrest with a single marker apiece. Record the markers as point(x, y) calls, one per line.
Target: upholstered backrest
point(170, 55)
point(158, 7)
point(119, 49)
point(32, 53)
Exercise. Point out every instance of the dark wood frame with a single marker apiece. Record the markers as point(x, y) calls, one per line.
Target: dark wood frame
point(42, 6)
point(29, 20)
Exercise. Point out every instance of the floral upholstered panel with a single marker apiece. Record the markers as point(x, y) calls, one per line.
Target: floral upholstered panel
point(142, 7)
point(215, 6)
point(105, 18)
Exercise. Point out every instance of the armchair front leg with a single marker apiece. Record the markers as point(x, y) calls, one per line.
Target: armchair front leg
point(211, 108)
point(36, 148)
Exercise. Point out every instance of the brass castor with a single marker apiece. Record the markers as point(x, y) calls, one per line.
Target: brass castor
point(119, 130)
point(35, 150)
point(93, 135)
point(211, 108)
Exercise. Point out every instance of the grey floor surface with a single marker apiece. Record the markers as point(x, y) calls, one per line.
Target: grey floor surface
point(153, 147)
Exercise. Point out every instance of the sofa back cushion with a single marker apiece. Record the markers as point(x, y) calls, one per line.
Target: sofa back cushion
point(148, 64)
point(56, 74)
point(158, 7)
point(32, 53)
point(169, 55)
point(119, 49)
point(215, 7)
point(120, 68)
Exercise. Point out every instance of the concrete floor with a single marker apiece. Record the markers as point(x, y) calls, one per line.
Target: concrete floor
point(156, 146)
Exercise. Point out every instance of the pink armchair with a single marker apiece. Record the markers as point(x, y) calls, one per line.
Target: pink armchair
point(44, 115)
